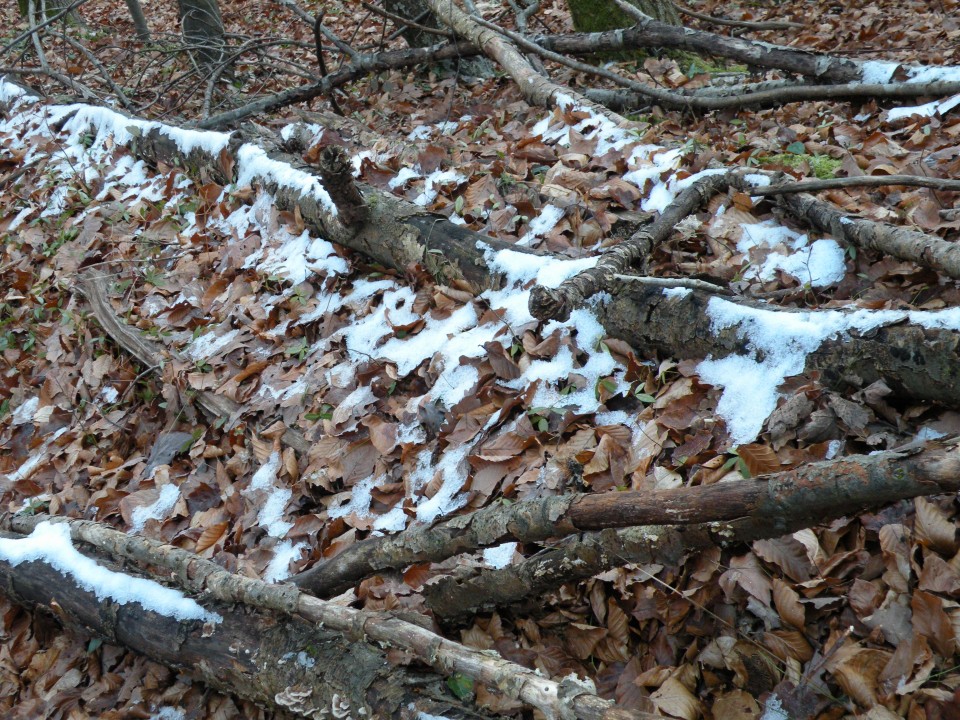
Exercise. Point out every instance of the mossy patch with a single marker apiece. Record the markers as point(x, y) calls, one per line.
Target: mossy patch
point(822, 166)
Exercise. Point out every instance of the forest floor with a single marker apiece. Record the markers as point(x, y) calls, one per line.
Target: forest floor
point(421, 401)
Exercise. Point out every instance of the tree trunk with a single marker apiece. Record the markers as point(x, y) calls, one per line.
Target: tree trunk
point(418, 12)
point(602, 15)
point(46, 9)
point(203, 31)
point(139, 20)
point(285, 664)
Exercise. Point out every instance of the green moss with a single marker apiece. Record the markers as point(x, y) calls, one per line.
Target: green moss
point(822, 166)
point(602, 15)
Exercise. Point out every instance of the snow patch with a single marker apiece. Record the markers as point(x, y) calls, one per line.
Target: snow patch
point(50, 543)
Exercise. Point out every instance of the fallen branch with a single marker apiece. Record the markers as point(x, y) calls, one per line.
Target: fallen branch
point(900, 242)
point(915, 361)
point(742, 97)
point(358, 66)
point(934, 470)
point(567, 699)
point(536, 89)
point(811, 185)
point(292, 666)
point(558, 303)
point(34, 28)
point(905, 243)
point(807, 496)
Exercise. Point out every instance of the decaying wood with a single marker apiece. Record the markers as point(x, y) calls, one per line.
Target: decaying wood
point(336, 172)
point(587, 554)
point(915, 362)
point(558, 303)
point(760, 95)
point(153, 355)
point(567, 699)
point(900, 242)
point(252, 654)
point(536, 89)
point(397, 233)
point(812, 495)
point(857, 181)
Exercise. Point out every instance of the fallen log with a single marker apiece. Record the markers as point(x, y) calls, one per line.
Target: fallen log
point(802, 497)
point(566, 699)
point(587, 554)
point(291, 666)
point(920, 361)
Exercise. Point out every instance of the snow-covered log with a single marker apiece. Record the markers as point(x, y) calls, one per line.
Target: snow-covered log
point(291, 665)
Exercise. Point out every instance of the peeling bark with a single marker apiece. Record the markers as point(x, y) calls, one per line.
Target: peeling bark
point(566, 699)
point(558, 303)
point(900, 242)
point(536, 89)
point(397, 233)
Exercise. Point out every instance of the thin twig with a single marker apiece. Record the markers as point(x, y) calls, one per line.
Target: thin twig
point(688, 283)
point(858, 181)
point(100, 67)
point(32, 29)
point(404, 21)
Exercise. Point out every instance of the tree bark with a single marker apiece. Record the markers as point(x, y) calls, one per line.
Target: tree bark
point(566, 699)
point(585, 555)
point(591, 16)
point(203, 31)
point(812, 495)
point(536, 89)
point(916, 362)
point(249, 654)
point(139, 20)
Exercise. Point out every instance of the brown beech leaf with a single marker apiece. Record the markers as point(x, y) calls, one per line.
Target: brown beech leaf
point(759, 459)
point(933, 529)
point(857, 670)
point(788, 554)
point(504, 447)
point(582, 639)
point(939, 576)
point(930, 620)
point(673, 698)
point(745, 572)
point(210, 536)
point(787, 602)
point(735, 705)
point(909, 667)
point(788, 645)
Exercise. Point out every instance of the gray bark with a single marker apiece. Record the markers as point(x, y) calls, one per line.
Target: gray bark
point(139, 20)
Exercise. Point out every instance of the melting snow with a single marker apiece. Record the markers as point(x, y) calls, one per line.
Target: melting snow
point(784, 339)
point(158, 510)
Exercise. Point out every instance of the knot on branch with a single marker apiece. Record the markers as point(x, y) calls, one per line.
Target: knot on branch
point(549, 304)
point(336, 171)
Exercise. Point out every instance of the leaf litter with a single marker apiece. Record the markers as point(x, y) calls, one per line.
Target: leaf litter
point(856, 616)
